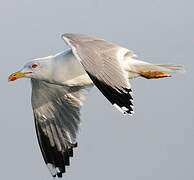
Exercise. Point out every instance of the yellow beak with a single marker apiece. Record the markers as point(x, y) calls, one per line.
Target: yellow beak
point(16, 75)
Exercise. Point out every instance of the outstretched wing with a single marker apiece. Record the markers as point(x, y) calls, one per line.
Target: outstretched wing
point(57, 118)
point(102, 61)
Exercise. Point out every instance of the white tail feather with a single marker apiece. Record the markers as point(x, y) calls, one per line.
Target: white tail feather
point(133, 67)
point(172, 68)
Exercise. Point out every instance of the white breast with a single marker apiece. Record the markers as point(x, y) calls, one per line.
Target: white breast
point(68, 71)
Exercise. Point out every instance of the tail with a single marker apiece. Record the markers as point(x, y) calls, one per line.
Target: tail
point(170, 68)
point(137, 68)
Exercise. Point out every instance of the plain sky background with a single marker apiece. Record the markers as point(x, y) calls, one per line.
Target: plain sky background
point(157, 143)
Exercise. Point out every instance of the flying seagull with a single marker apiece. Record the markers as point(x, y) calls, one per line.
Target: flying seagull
point(61, 82)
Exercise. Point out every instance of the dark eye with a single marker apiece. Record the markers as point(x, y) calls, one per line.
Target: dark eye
point(34, 65)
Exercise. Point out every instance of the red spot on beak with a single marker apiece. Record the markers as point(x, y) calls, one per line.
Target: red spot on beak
point(13, 79)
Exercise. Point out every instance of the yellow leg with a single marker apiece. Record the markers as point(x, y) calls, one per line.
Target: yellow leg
point(153, 75)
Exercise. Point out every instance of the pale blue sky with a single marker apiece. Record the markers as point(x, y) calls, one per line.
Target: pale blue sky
point(156, 143)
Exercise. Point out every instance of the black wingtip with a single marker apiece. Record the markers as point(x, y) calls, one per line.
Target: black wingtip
point(120, 98)
point(56, 160)
point(59, 175)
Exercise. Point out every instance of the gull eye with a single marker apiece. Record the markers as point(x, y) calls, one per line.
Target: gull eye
point(34, 65)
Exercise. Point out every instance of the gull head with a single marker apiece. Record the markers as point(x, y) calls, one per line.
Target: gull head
point(36, 69)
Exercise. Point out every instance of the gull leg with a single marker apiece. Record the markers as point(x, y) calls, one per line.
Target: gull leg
point(153, 75)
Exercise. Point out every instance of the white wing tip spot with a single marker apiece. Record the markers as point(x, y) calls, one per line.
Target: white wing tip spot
point(123, 109)
point(52, 169)
point(118, 108)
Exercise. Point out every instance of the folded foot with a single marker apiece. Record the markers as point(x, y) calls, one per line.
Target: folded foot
point(153, 75)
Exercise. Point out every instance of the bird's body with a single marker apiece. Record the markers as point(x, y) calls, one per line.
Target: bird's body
point(61, 82)
point(67, 70)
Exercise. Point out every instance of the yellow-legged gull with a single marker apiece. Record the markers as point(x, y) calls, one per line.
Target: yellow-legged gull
point(60, 83)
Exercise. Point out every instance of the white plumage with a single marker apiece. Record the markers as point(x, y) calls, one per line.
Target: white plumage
point(61, 82)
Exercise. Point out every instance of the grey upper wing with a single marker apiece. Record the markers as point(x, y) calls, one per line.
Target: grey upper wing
point(102, 61)
point(57, 118)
